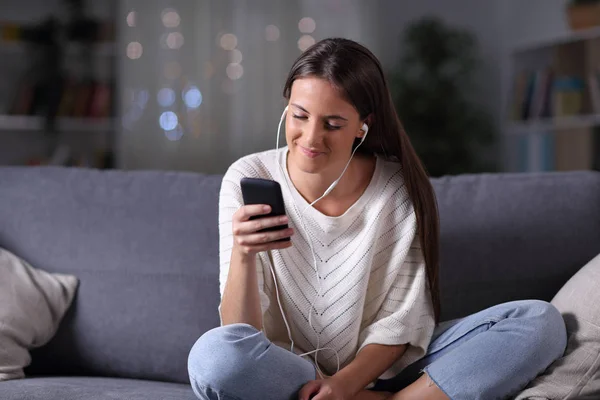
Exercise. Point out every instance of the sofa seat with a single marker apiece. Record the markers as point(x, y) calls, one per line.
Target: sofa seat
point(93, 388)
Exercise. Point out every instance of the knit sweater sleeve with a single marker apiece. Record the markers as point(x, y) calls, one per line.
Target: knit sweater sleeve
point(405, 314)
point(230, 200)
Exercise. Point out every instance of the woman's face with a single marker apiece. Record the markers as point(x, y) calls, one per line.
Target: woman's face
point(320, 126)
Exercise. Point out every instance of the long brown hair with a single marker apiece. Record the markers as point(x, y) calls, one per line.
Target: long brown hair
point(357, 73)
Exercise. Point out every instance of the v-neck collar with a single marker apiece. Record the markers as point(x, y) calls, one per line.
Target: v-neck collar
point(302, 204)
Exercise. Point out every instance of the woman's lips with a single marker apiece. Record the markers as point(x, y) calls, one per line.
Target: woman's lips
point(309, 153)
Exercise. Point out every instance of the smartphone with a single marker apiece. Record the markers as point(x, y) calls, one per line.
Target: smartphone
point(264, 191)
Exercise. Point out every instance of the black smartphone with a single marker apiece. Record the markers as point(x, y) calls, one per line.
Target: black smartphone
point(265, 191)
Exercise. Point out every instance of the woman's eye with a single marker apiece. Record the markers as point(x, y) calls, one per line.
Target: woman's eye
point(329, 127)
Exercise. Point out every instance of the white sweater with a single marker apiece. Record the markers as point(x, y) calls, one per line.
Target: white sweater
point(373, 280)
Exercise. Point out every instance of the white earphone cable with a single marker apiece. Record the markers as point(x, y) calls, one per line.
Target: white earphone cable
point(309, 241)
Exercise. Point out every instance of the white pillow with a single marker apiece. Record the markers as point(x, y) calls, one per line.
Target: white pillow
point(576, 375)
point(32, 304)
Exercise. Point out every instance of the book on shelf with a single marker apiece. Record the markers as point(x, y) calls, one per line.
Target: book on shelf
point(563, 150)
point(536, 152)
point(87, 98)
point(568, 96)
point(532, 94)
point(542, 93)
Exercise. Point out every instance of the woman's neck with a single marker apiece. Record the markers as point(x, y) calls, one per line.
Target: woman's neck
point(355, 179)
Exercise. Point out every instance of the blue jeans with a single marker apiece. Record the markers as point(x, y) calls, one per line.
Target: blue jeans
point(492, 354)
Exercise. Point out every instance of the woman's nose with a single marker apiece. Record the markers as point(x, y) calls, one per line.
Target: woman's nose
point(313, 134)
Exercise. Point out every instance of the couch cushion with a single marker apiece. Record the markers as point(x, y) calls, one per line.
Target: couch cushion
point(577, 373)
point(32, 304)
point(507, 237)
point(144, 247)
point(84, 388)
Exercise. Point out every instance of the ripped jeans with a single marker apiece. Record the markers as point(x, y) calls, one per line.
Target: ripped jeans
point(492, 354)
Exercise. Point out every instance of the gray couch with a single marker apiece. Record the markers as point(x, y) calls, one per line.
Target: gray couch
point(144, 246)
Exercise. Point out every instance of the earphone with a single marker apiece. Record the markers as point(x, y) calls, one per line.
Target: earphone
point(365, 129)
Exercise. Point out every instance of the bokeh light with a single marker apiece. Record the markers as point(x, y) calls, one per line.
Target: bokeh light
point(271, 33)
point(131, 19)
point(234, 71)
point(134, 50)
point(168, 120)
point(228, 41)
point(166, 97)
point(170, 18)
point(305, 42)
point(192, 97)
point(235, 56)
point(174, 40)
point(307, 25)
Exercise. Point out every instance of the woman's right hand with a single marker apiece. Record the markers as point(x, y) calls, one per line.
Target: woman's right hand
point(248, 241)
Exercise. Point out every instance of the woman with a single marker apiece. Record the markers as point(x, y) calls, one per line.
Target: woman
point(358, 282)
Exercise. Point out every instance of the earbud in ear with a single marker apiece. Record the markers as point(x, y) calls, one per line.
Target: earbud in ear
point(365, 129)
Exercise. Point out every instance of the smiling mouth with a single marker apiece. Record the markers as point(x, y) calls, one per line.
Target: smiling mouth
point(309, 153)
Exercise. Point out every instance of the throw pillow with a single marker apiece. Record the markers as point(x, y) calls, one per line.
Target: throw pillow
point(576, 375)
point(32, 304)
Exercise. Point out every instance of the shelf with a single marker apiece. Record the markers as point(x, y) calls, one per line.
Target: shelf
point(554, 124)
point(107, 49)
point(569, 37)
point(20, 123)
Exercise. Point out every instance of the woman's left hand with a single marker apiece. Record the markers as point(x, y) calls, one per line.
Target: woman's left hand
point(323, 389)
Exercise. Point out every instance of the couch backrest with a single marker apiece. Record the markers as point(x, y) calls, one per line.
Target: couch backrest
point(144, 245)
point(514, 236)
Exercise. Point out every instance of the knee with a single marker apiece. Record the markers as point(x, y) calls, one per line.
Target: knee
point(218, 356)
point(547, 326)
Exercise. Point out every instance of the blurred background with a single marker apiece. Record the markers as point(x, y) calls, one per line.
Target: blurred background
point(481, 86)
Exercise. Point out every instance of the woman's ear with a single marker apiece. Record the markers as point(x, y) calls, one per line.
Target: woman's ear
point(367, 123)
